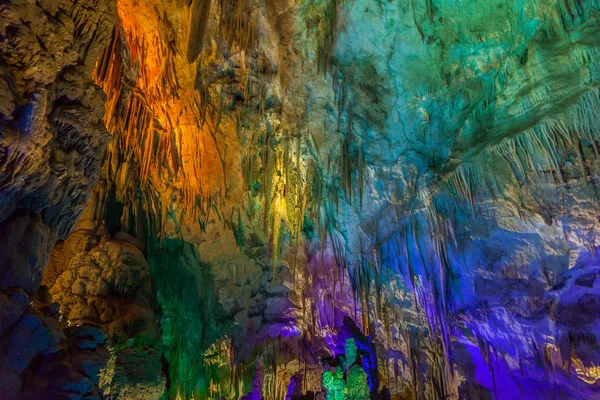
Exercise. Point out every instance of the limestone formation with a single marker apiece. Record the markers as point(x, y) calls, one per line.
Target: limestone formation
point(313, 199)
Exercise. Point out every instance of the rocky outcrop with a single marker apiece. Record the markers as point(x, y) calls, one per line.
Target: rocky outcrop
point(109, 285)
point(52, 135)
point(103, 281)
point(51, 146)
point(40, 359)
point(25, 255)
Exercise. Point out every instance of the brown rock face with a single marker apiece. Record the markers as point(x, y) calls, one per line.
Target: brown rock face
point(106, 284)
point(25, 251)
point(52, 137)
point(51, 146)
point(109, 286)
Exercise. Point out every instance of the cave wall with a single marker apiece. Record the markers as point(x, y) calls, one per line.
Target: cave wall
point(352, 199)
point(52, 141)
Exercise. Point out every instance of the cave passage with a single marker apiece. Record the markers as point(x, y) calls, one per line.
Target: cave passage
point(299, 199)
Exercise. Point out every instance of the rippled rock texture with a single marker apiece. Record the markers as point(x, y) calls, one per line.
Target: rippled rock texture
point(341, 199)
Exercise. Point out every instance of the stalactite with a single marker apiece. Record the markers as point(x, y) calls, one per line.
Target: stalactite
point(237, 23)
point(199, 18)
point(533, 152)
point(323, 19)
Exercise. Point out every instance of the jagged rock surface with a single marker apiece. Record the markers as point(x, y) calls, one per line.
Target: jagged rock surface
point(417, 176)
point(51, 148)
point(104, 282)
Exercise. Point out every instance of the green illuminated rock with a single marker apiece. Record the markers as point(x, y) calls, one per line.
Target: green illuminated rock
point(357, 387)
point(350, 352)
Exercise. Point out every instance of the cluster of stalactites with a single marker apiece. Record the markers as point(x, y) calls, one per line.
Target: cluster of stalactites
point(160, 151)
point(535, 156)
